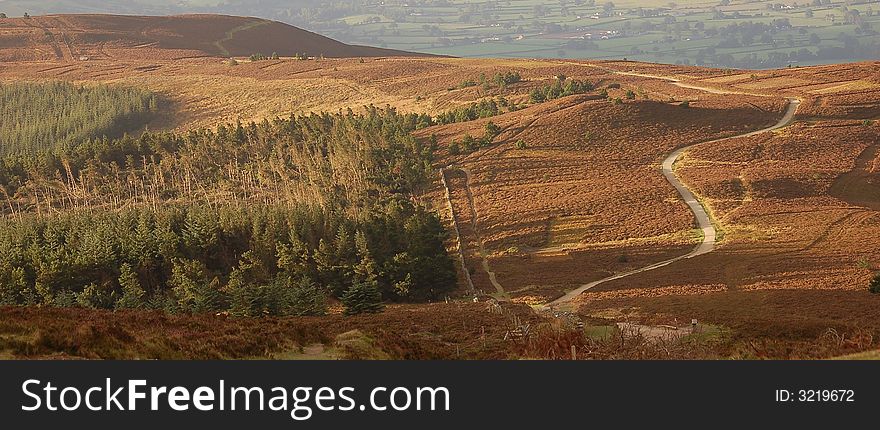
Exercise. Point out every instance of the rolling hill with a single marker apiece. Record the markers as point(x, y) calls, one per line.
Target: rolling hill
point(80, 37)
point(542, 191)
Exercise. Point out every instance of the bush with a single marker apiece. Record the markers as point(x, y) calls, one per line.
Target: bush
point(588, 136)
point(454, 148)
point(482, 109)
point(492, 131)
point(94, 297)
point(874, 286)
point(470, 144)
point(502, 80)
point(560, 88)
point(520, 144)
point(685, 104)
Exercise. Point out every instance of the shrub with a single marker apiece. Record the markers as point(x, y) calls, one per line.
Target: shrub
point(454, 148)
point(560, 88)
point(685, 104)
point(520, 144)
point(93, 296)
point(502, 80)
point(874, 286)
point(492, 131)
point(588, 136)
point(482, 109)
point(470, 144)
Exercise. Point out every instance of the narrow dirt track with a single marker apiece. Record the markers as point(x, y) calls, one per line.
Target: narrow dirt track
point(703, 220)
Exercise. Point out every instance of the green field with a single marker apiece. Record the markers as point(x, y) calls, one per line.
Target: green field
point(748, 34)
point(753, 34)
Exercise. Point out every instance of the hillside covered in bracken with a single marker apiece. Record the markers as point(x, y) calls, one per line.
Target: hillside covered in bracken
point(379, 205)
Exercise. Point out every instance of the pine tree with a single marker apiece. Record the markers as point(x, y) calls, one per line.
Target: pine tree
point(293, 258)
point(13, 286)
point(243, 302)
point(201, 231)
point(302, 298)
point(330, 272)
point(362, 297)
point(365, 270)
point(192, 288)
point(132, 293)
point(94, 297)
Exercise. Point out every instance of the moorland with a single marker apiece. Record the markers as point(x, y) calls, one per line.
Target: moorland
point(378, 206)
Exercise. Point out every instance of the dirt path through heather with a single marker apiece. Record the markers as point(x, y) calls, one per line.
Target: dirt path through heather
point(704, 221)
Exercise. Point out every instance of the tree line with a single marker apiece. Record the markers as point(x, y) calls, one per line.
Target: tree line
point(248, 260)
point(253, 219)
point(489, 107)
point(561, 87)
point(342, 161)
point(36, 117)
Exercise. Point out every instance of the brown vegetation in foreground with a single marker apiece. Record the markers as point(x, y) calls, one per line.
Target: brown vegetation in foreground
point(430, 331)
point(433, 331)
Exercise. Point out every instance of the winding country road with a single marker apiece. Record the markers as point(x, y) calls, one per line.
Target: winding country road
point(703, 220)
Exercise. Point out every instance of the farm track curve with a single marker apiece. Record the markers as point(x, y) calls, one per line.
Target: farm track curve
point(704, 221)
